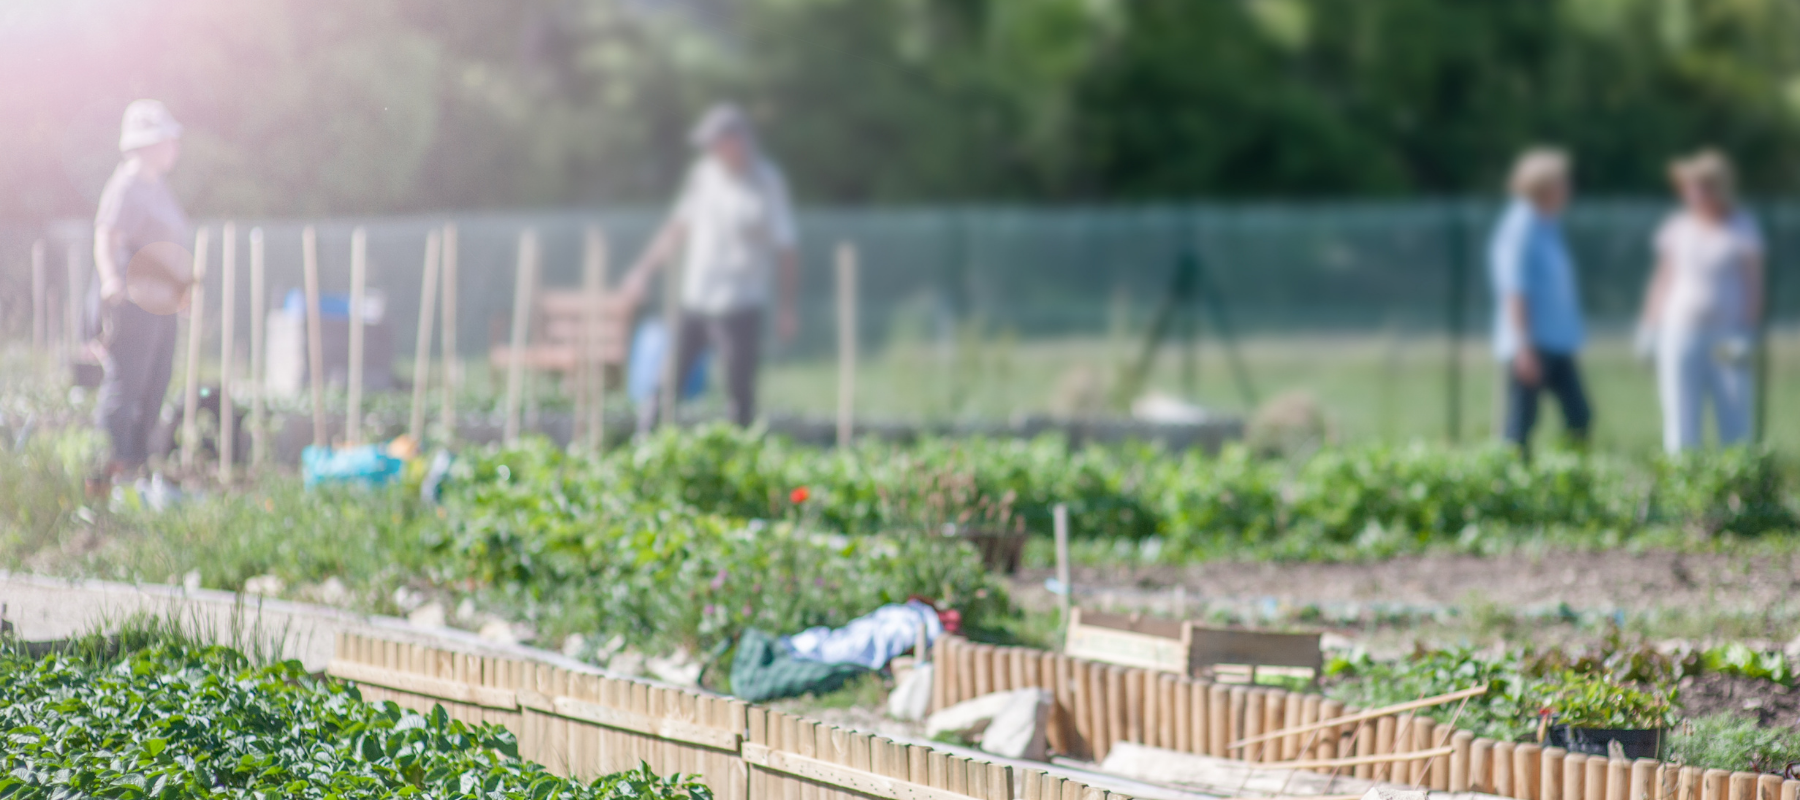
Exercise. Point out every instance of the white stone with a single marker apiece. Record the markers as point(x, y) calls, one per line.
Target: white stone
point(573, 645)
point(911, 698)
point(1010, 724)
point(265, 585)
point(429, 616)
point(498, 631)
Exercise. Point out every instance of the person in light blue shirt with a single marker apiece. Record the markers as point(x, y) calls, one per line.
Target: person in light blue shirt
point(1537, 321)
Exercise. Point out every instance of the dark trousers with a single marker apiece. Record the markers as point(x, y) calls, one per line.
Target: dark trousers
point(1561, 378)
point(140, 354)
point(736, 336)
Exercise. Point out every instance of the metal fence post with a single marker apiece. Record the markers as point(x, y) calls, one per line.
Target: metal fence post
point(1457, 288)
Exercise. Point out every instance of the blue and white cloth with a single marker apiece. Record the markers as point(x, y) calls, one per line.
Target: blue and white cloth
point(871, 640)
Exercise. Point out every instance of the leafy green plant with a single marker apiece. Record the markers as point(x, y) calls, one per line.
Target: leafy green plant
point(1589, 700)
point(1726, 741)
point(178, 721)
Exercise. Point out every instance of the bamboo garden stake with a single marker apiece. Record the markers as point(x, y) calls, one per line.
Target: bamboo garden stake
point(590, 372)
point(40, 322)
point(415, 426)
point(227, 343)
point(524, 279)
point(190, 406)
point(72, 307)
point(670, 396)
point(359, 275)
point(846, 301)
point(452, 367)
point(1060, 517)
point(315, 347)
point(259, 441)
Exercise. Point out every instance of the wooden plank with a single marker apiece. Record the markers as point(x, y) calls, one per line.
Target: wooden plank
point(941, 673)
point(1457, 777)
point(620, 719)
point(1234, 717)
point(1330, 743)
point(1742, 786)
point(1768, 787)
point(1116, 639)
point(1178, 732)
point(1501, 775)
point(1553, 779)
point(1116, 723)
point(1201, 718)
point(1618, 779)
point(1294, 710)
point(1256, 648)
point(1593, 784)
point(437, 688)
point(1137, 715)
point(1714, 784)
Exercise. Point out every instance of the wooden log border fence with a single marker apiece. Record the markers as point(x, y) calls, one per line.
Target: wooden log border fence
point(1099, 704)
point(584, 725)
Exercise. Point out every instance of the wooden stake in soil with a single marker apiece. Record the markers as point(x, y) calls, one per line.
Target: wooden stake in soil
point(524, 278)
point(1059, 514)
point(670, 397)
point(359, 275)
point(846, 302)
point(72, 309)
point(315, 337)
point(40, 317)
point(227, 343)
point(452, 366)
point(190, 427)
point(259, 438)
point(415, 425)
point(590, 387)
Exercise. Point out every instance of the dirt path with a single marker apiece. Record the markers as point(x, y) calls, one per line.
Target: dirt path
point(1387, 605)
point(1601, 580)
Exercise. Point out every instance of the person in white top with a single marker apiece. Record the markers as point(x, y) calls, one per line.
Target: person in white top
point(735, 228)
point(1704, 303)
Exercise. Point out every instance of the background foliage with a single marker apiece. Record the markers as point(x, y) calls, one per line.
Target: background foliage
point(395, 105)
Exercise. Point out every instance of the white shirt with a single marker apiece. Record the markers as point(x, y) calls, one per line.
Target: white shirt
point(1709, 266)
point(736, 226)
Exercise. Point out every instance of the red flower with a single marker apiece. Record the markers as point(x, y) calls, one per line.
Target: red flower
point(799, 495)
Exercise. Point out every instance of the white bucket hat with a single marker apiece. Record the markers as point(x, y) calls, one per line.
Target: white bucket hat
point(147, 122)
point(719, 121)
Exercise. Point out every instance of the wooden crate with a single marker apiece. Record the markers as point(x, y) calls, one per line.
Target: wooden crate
point(1185, 647)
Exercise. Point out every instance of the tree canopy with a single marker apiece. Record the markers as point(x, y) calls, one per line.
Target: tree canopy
point(364, 106)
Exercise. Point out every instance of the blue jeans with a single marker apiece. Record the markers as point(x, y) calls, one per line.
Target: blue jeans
point(1560, 376)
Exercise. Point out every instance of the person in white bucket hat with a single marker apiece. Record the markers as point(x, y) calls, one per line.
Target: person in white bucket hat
point(140, 232)
point(734, 228)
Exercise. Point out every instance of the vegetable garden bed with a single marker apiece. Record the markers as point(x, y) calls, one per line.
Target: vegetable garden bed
point(178, 720)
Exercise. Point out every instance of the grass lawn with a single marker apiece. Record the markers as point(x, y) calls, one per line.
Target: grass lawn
point(1371, 386)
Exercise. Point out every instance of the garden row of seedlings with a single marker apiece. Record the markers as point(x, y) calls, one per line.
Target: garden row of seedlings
point(583, 724)
point(1098, 705)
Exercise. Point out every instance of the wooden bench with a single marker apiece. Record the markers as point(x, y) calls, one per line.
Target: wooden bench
point(1185, 647)
point(556, 332)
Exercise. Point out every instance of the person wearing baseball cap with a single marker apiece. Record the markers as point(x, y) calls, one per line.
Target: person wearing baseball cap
point(139, 232)
point(734, 227)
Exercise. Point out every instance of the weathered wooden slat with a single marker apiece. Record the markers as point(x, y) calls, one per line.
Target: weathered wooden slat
point(413, 683)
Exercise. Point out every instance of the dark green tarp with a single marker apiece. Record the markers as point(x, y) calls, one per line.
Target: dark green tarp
point(764, 670)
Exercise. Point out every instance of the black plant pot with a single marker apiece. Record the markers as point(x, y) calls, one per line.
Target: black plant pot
point(1636, 742)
